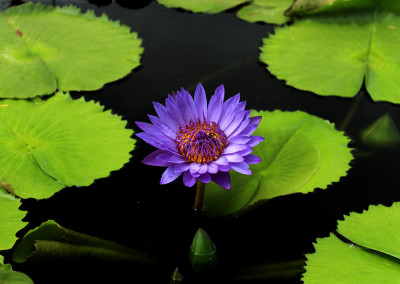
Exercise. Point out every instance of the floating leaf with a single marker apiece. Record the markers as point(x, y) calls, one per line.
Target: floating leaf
point(332, 53)
point(375, 257)
point(47, 48)
point(377, 229)
point(202, 6)
point(300, 153)
point(11, 219)
point(335, 261)
point(53, 240)
point(382, 133)
point(268, 11)
point(59, 142)
point(8, 276)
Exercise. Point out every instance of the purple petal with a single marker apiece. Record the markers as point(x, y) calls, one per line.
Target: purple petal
point(255, 120)
point(159, 141)
point(249, 129)
point(251, 159)
point(165, 156)
point(169, 175)
point(215, 106)
point(245, 151)
point(241, 167)
point(200, 100)
point(194, 168)
point(147, 127)
point(153, 161)
point(212, 168)
point(228, 111)
point(188, 179)
point(177, 159)
point(163, 127)
point(222, 179)
point(205, 178)
point(255, 140)
point(234, 158)
point(182, 167)
point(234, 148)
point(237, 120)
point(190, 104)
point(222, 161)
point(224, 168)
point(184, 109)
point(242, 125)
point(165, 116)
point(203, 168)
point(240, 139)
point(174, 112)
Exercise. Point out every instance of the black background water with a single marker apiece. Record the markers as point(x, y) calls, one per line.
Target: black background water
point(130, 207)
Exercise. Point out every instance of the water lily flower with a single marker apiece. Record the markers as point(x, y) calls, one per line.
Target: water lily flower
point(202, 142)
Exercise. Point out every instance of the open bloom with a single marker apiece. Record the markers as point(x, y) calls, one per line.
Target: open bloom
point(202, 142)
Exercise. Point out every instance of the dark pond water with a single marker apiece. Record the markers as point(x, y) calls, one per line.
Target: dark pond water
point(130, 207)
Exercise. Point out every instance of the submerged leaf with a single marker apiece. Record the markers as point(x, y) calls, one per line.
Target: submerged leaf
point(300, 153)
point(333, 51)
point(53, 240)
point(47, 48)
point(59, 142)
point(382, 133)
point(10, 219)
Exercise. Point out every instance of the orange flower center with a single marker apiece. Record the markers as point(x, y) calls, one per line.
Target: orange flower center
point(200, 142)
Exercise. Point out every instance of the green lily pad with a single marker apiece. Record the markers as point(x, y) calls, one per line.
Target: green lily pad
point(202, 6)
point(59, 142)
point(333, 53)
point(374, 257)
point(382, 133)
point(8, 276)
point(300, 153)
point(11, 219)
point(335, 261)
point(375, 229)
point(53, 240)
point(268, 11)
point(47, 48)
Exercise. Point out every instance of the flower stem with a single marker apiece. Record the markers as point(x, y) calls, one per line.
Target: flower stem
point(198, 201)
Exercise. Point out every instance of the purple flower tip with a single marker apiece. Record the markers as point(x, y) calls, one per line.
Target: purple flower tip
point(199, 140)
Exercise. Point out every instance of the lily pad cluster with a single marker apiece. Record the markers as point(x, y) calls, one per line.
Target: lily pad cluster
point(300, 153)
point(371, 253)
point(44, 49)
point(334, 49)
point(268, 11)
point(56, 142)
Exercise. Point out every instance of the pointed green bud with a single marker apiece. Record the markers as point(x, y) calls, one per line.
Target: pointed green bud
point(382, 133)
point(202, 252)
point(176, 277)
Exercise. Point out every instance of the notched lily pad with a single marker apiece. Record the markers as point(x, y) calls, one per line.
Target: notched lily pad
point(10, 219)
point(202, 6)
point(47, 48)
point(52, 240)
point(374, 256)
point(335, 49)
point(300, 153)
point(267, 11)
point(8, 276)
point(59, 142)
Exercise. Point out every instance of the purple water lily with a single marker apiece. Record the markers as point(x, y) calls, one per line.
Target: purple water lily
point(202, 142)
